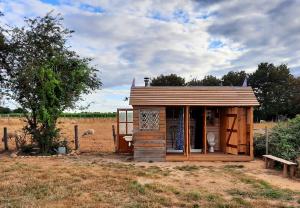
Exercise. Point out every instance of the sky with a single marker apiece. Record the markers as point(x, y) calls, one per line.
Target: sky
point(137, 38)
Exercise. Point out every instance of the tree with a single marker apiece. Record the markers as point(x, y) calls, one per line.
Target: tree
point(295, 101)
point(4, 110)
point(234, 78)
point(272, 86)
point(168, 80)
point(44, 76)
point(208, 80)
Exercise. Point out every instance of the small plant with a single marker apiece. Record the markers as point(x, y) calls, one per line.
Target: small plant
point(137, 187)
point(239, 193)
point(234, 166)
point(259, 145)
point(193, 195)
point(187, 168)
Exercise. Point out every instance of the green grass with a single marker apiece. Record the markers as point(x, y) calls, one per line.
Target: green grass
point(187, 168)
point(239, 193)
point(193, 196)
point(135, 186)
point(240, 201)
point(262, 189)
point(233, 166)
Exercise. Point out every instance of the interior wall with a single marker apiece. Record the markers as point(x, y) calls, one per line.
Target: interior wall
point(213, 125)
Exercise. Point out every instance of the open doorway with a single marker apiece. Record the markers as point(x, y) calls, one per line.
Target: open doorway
point(213, 128)
point(175, 129)
point(196, 129)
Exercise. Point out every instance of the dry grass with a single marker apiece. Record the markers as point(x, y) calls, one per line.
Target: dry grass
point(110, 181)
point(101, 141)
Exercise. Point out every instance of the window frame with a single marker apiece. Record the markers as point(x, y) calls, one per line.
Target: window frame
point(140, 120)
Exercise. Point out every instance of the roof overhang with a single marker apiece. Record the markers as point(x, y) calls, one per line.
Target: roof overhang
point(193, 96)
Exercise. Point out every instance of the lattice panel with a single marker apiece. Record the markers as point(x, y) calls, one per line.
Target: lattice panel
point(149, 119)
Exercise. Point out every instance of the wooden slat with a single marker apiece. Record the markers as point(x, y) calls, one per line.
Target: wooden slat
point(279, 159)
point(149, 145)
point(250, 115)
point(209, 157)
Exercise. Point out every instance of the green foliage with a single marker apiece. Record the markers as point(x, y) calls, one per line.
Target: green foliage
point(168, 80)
point(72, 115)
point(272, 86)
point(284, 140)
point(4, 110)
point(259, 145)
point(90, 115)
point(206, 81)
point(48, 78)
point(234, 78)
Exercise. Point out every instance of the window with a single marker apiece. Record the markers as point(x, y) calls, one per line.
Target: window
point(149, 119)
point(125, 121)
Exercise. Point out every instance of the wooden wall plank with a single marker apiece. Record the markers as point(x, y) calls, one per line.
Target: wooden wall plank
point(204, 131)
point(250, 115)
point(149, 145)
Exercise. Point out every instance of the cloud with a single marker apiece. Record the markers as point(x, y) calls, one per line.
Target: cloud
point(191, 38)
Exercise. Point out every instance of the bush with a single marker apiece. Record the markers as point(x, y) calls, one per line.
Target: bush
point(284, 140)
point(259, 145)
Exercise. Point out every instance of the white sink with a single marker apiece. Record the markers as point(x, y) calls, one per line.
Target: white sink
point(128, 139)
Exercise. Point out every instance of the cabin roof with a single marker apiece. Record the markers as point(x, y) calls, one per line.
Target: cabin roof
point(194, 96)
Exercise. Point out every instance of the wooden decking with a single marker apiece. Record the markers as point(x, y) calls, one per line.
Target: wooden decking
point(209, 157)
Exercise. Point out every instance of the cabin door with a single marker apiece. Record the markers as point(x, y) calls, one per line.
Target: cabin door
point(124, 130)
point(231, 130)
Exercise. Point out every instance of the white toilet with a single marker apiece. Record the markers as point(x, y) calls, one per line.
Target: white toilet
point(211, 141)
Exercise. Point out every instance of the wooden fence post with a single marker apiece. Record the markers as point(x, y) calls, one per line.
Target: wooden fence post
point(267, 140)
point(76, 137)
point(5, 139)
point(114, 136)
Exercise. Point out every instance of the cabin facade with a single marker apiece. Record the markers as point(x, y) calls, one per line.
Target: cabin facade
point(190, 123)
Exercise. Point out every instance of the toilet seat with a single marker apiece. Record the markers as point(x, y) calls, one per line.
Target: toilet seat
point(211, 141)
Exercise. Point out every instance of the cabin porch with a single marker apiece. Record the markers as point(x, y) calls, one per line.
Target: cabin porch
point(187, 128)
point(215, 156)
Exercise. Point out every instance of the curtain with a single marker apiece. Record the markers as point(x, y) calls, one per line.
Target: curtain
point(180, 136)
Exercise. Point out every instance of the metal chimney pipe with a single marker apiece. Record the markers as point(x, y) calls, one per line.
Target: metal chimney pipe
point(146, 80)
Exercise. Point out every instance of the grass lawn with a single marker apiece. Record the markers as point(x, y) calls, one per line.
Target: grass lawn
point(97, 181)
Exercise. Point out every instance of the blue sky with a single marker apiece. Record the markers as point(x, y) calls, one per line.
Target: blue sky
point(128, 38)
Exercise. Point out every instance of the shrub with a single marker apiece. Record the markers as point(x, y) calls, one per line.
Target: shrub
point(259, 145)
point(284, 140)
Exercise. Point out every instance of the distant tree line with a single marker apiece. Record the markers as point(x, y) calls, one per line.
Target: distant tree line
point(277, 90)
point(6, 110)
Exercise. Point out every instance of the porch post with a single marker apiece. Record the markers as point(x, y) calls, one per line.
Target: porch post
point(117, 143)
point(204, 130)
point(186, 130)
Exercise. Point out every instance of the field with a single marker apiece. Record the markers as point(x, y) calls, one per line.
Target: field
point(99, 178)
point(101, 141)
point(108, 180)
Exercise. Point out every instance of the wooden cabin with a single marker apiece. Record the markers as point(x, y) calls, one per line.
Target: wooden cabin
point(188, 123)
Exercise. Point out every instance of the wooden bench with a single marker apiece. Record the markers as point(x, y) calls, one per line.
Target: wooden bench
point(287, 165)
